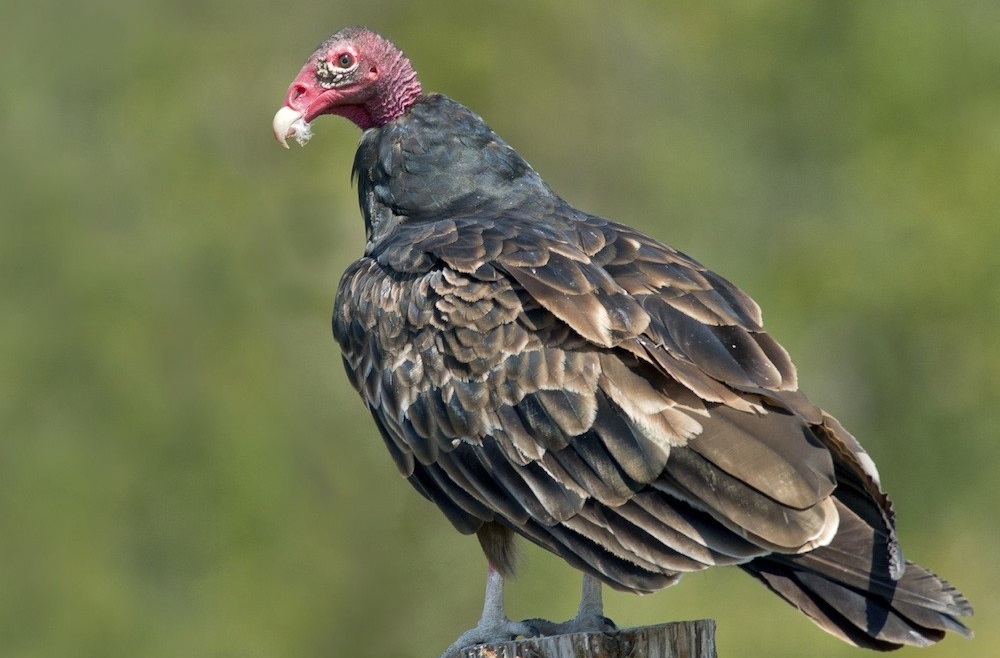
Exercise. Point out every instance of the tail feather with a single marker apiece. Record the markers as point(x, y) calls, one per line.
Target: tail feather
point(826, 610)
point(848, 590)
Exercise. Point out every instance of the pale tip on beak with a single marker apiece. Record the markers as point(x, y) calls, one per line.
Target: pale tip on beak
point(288, 123)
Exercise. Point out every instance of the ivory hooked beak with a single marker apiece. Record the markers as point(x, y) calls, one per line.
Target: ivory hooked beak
point(284, 124)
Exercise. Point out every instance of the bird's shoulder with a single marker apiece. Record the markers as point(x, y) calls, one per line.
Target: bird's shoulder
point(611, 284)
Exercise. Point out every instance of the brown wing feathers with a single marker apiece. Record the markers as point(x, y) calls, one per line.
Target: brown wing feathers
point(613, 401)
point(535, 419)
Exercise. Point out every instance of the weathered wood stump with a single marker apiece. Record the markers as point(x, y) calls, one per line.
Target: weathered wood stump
point(682, 639)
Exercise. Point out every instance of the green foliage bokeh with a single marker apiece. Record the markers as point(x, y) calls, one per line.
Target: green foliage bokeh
point(183, 468)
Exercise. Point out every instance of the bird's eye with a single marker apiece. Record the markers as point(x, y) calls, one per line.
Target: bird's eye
point(345, 60)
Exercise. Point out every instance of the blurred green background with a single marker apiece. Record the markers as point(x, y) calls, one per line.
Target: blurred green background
point(183, 468)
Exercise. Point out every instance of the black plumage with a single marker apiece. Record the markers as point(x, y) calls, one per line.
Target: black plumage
point(535, 370)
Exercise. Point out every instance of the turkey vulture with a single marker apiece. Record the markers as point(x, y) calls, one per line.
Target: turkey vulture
point(535, 370)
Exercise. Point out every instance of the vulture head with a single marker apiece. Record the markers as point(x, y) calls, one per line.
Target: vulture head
point(356, 74)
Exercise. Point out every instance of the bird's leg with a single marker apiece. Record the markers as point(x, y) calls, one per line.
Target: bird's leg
point(591, 608)
point(494, 625)
point(589, 617)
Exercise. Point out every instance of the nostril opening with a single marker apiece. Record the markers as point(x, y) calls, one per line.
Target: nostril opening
point(296, 91)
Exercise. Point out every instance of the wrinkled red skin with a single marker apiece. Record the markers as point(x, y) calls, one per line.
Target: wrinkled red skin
point(379, 87)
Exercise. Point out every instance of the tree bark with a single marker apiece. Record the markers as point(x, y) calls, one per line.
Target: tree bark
point(683, 639)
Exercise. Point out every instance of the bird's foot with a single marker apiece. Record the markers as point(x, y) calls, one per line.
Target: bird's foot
point(489, 632)
point(589, 618)
point(585, 622)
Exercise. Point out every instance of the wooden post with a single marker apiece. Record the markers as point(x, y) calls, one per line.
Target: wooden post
point(682, 639)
